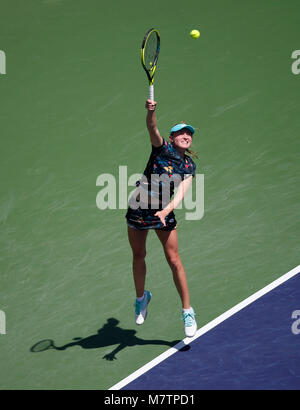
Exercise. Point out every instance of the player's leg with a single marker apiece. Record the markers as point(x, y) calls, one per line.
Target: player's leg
point(170, 244)
point(137, 240)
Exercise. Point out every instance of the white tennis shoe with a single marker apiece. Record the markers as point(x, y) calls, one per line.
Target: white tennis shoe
point(141, 308)
point(190, 325)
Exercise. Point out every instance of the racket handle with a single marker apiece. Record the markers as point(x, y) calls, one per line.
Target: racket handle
point(151, 92)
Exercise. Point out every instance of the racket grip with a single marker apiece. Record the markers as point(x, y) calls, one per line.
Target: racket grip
point(151, 92)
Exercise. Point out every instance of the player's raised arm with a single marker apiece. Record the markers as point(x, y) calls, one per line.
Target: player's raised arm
point(156, 139)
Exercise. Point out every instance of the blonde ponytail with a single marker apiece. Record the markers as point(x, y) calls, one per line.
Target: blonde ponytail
point(192, 153)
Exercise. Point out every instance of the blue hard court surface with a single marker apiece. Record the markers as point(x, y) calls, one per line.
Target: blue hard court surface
point(253, 349)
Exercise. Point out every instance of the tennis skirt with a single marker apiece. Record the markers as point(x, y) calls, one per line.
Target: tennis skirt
point(141, 219)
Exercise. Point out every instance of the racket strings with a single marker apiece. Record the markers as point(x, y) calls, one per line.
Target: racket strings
point(151, 51)
point(149, 56)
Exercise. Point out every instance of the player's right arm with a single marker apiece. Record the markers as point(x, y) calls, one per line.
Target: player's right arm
point(155, 137)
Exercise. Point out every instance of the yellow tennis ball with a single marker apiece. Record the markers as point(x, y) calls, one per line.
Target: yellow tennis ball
point(195, 33)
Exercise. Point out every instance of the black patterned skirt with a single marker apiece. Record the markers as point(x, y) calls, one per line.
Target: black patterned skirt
point(144, 219)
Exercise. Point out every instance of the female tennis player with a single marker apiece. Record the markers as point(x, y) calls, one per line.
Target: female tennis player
point(151, 207)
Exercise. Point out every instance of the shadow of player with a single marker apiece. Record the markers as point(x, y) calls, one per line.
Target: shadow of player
point(109, 334)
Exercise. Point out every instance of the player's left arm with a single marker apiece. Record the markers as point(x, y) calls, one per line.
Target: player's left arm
point(182, 189)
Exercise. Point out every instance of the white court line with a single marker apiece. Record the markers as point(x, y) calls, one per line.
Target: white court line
point(206, 328)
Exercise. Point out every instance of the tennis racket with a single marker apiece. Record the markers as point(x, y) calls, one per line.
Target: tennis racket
point(149, 56)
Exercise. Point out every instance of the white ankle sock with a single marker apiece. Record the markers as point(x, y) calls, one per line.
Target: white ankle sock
point(186, 310)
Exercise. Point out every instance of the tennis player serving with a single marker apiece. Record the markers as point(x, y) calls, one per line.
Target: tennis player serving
point(151, 207)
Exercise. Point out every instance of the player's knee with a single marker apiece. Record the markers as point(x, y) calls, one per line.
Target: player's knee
point(174, 260)
point(139, 254)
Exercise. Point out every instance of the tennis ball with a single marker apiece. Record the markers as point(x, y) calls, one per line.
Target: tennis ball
point(195, 33)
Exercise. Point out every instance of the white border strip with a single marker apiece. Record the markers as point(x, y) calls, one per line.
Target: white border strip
point(206, 328)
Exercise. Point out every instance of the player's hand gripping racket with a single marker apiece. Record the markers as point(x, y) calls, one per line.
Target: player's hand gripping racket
point(149, 55)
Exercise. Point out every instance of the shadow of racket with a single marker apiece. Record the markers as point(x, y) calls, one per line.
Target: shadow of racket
point(43, 345)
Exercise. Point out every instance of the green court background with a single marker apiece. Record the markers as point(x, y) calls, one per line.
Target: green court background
point(72, 108)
